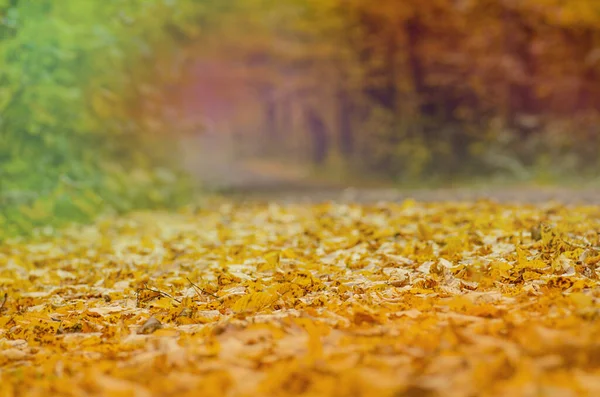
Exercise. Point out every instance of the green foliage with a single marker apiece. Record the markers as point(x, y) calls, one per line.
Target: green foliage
point(81, 129)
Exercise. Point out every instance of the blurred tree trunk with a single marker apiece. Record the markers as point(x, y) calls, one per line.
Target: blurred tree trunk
point(380, 77)
point(422, 97)
point(414, 32)
point(270, 120)
point(284, 119)
point(522, 104)
point(584, 44)
point(344, 109)
point(318, 133)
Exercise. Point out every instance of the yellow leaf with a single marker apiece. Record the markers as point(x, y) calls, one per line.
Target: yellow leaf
point(581, 300)
point(254, 302)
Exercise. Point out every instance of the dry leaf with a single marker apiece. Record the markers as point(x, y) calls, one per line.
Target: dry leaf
point(456, 299)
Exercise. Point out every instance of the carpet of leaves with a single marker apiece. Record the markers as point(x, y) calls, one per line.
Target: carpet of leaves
point(389, 299)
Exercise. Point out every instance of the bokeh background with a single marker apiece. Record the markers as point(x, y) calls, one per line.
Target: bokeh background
point(120, 105)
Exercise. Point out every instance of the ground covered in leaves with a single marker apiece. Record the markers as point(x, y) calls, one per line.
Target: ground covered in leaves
point(405, 299)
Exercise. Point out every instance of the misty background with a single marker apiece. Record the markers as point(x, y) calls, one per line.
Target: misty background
point(435, 92)
point(145, 104)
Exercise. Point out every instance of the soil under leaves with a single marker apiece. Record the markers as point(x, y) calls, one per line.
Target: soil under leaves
point(390, 299)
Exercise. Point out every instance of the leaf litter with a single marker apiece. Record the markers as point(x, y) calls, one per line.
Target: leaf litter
point(392, 299)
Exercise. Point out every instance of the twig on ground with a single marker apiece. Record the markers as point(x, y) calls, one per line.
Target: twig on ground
point(161, 293)
point(201, 290)
point(3, 301)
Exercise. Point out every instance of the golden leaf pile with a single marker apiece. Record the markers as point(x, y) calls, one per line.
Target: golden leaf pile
point(404, 299)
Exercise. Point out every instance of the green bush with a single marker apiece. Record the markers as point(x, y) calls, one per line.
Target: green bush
point(80, 98)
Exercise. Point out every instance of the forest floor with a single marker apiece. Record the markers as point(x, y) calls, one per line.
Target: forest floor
point(308, 192)
point(292, 296)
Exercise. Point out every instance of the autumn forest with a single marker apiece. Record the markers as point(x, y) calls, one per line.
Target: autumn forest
point(393, 198)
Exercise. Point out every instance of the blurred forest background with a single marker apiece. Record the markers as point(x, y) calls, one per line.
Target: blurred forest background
point(111, 105)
